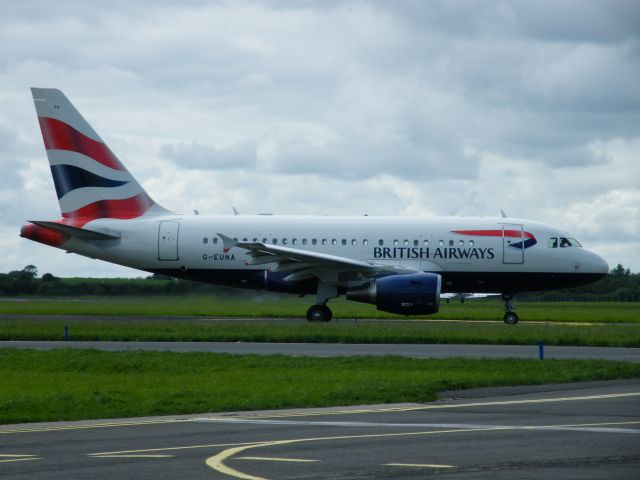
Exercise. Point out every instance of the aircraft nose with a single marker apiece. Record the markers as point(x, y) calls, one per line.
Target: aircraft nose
point(596, 264)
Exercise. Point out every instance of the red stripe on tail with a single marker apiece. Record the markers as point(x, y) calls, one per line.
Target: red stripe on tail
point(58, 135)
point(43, 235)
point(124, 209)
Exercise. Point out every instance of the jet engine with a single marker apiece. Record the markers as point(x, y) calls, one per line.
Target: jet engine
point(410, 294)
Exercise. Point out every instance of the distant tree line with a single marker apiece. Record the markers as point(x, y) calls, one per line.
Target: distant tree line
point(620, 285)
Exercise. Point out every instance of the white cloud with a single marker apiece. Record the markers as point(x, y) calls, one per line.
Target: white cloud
point(337, 107)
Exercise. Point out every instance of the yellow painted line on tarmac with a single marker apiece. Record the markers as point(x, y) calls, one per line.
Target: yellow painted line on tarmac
point(20, 459)
point(54, 428)
point(15, 455)
point(169, 449)
point(217, 462)
point(277, 459)
point(442, 406)
point(419, 465)
point(133, 456)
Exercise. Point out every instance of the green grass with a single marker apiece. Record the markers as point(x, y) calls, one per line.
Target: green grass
point(289, 306)
point(83, 384)
point(342, 331)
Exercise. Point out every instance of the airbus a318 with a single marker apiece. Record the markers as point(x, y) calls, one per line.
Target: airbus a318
point(401, 265)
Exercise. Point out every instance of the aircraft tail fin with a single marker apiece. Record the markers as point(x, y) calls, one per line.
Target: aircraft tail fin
point(90, 180)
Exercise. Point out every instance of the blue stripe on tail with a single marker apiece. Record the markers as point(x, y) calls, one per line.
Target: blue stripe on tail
point(68, 177)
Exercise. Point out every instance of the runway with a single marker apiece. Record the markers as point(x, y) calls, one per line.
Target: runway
point(342, 349)
point(576, 431)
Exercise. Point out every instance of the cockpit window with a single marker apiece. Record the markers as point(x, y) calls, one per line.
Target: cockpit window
point(575, 242)
point(563, 242)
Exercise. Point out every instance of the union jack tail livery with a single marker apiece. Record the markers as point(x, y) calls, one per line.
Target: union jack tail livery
point(89, 179)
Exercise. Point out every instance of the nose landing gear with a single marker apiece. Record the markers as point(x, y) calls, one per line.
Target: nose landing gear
point(510, 317)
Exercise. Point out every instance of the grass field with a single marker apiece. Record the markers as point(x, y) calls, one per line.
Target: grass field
point(83, 384)
point(289, 306)
point(342, 331)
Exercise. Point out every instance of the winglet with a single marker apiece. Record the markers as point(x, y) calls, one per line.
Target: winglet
point(502, 214)
point(227, 242)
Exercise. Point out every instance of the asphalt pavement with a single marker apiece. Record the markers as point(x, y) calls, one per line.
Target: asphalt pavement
point(343, 349)
point(589, 431)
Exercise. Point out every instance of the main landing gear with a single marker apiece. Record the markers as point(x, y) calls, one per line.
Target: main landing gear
point(320, 312)
point(510, 317)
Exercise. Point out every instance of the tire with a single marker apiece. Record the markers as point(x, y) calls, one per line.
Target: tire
point(319, 313)
point(510, 318)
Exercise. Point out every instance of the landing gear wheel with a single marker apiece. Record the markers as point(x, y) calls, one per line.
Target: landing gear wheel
point(510, 318)
point(319, 313)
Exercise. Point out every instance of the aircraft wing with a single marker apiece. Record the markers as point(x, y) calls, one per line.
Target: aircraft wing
point(304, 264)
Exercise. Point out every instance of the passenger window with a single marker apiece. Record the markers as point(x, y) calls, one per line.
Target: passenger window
point(304, 241)
point(365, 242)
point(264, 240)
point(441, 243)
point(406, 243)
point(425, 243)
point(294, 241)
point(215, 239)
point(344, 241)
point(314, 241)
point(205, 240)
point(461, 243)
point(324, 241)
point(284, 241)
point(244, 239)
point(415, 243)
point(354, 242)
point(471, 243)
point(334, 241)
point(274, 241)
point(553, 242)
point(381, 242)
point(396, 243)
point(255, 240)
point(451, 243)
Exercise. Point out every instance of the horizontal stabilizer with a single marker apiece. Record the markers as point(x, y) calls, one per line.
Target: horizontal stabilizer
point(80, 233)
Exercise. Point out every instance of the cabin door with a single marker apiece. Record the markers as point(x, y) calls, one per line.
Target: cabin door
point(512, 243)
point(168, 240)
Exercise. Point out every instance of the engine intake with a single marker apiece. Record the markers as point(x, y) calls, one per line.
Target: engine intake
point(410, 294)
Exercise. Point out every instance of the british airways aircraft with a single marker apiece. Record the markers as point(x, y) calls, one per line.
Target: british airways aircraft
point(400, 264)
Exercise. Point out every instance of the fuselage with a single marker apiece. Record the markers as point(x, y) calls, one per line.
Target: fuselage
point(471, 254)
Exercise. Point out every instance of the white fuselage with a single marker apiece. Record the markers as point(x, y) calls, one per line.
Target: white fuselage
point(189, 246)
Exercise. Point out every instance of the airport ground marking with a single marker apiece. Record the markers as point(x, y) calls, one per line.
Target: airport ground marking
point(278, 459)
point(133, 456)
point(419, 465)
point(217, 462)
point(20, 459)
point(595, 427)
point(168, 449)
point(54, 428)
point(442, 406)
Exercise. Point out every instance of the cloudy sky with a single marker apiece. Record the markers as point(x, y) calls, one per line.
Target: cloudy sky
point(393, 108)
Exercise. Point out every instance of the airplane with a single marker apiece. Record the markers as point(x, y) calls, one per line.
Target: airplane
point(401, 265)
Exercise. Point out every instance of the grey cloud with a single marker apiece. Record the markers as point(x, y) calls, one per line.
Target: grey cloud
point(208, 157)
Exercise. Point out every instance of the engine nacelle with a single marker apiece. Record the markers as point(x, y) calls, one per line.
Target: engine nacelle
point(410, 294)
